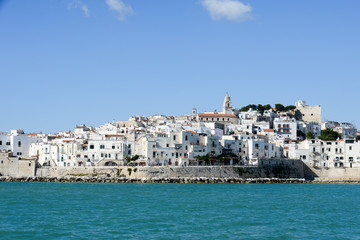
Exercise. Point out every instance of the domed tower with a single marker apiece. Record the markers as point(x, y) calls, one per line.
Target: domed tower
point(194, 112)
point(227, 105)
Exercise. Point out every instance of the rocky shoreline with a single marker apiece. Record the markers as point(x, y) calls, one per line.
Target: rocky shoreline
point(103, 179)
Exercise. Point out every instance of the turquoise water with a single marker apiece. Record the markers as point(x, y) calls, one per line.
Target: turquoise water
point(179, 211)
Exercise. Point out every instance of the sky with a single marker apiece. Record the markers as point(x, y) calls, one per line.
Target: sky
point(64, 62)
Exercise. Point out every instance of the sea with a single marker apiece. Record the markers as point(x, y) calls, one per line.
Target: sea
point(178, 211)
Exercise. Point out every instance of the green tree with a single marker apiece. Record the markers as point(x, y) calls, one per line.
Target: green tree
point(205, 158)
point(246, 108)
point(267, 107)
point(310, 135)
point(289, 108)
point(329, 135)
point(259, 107)
point(358, 138)
point(279, 107)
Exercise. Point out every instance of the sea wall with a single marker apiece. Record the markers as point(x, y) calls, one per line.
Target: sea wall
point(266, 169)
point(331, 174)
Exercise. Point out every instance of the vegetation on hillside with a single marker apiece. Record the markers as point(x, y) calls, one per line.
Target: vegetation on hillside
point(329, 135)
point(261, 108)
point(310, 135)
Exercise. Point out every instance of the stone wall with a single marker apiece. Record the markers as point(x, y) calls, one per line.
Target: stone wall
point(15, 166)
point(268, 169)
point(324, 174)
point(309, 113)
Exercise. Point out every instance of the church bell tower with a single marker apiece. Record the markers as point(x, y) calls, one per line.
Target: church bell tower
point(227, 105)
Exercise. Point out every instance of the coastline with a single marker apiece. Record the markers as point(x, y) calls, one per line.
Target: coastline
point(100, 179)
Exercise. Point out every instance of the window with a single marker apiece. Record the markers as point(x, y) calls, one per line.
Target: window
point(91, 146)
point(102, 146)
point(186, 137)
point(19, 143)
point(256, 146)
point(102, 155)
point(351, 159)
point(174, 138)
point(0, 142)
point(350, 147)
point(7, 143)
point(113, 147)
point(167, 145)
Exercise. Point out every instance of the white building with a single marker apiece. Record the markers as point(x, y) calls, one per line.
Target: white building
point(18, 142)
point(286, 127)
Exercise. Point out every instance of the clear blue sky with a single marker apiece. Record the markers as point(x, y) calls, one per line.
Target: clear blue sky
point(65, 62)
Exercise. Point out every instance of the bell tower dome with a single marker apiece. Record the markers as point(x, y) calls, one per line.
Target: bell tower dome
point(227, 105)
point(194, 112)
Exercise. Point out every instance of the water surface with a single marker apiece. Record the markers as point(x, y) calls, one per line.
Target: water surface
point(179, 211)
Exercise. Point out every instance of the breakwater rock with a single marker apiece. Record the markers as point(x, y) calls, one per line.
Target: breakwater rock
point(103, 179)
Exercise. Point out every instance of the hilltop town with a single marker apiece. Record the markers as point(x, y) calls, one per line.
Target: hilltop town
point(232, 137)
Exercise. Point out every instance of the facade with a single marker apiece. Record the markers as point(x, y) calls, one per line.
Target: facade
point(286, 127)
point(226, 116)
point(308, 113)
point(18, 142)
